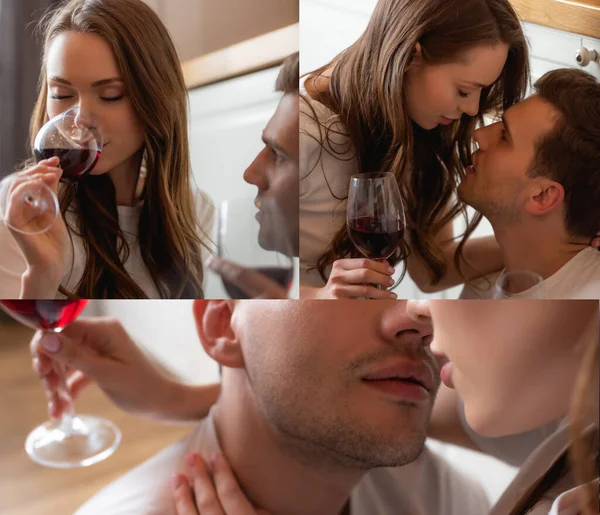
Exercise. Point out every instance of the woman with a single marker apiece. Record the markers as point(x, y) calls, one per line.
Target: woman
point(540, 369)
point(133, 228)
point(405, 99)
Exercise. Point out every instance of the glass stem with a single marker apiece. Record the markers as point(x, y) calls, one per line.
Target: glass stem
point(63, 391)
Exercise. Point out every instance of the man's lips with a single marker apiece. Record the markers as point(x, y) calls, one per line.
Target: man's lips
point(416, 372)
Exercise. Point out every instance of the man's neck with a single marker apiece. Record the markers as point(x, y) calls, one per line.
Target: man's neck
point(543, 248)
point(270, 467)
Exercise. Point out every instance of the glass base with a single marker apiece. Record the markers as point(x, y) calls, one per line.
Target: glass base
point(73, 441)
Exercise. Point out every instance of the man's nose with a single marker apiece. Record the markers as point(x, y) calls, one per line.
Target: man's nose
point(398, 326)
point(254, 174)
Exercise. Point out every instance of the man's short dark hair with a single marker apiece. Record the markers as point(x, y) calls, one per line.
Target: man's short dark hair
point(570, 153)
point(288, 80)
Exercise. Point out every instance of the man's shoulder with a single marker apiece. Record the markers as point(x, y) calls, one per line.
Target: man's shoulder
point(579, 278)
point(428, 486)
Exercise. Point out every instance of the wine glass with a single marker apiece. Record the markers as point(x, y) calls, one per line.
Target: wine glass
point(29, 206)
point(74, 137)
point(255, 240)
point(73, 440)
point(375, 215)
point(512, 283)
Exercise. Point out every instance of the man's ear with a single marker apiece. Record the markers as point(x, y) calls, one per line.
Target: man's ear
point(546, 195)
point(213, 323)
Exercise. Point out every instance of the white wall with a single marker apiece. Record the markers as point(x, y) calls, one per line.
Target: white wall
point(166, 329)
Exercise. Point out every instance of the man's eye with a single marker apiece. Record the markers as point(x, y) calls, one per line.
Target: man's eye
point(503, 135)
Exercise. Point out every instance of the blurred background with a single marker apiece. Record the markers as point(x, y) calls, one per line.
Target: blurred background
point(230, 53)
point(556, 32)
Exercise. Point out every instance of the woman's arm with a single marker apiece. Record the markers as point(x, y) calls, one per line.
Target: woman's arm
point(482, 255)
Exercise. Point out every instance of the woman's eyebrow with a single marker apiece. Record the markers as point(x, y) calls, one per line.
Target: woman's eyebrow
point(102, 82)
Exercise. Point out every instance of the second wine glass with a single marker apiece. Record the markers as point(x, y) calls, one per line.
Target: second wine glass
point(514, 283)
point(257, 240)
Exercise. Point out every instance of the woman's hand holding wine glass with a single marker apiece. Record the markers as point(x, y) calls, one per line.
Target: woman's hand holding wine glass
point(28, 200)
point(358, 278)
point(375, 223)
point(71, 440)
point(45, 253)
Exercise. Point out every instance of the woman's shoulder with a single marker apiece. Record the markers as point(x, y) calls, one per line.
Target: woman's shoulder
point(320, 124)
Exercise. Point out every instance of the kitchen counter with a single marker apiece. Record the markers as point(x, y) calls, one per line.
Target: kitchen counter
point(578, 16)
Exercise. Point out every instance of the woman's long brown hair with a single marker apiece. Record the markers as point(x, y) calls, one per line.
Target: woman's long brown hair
point(169, 236)
point(366, 91)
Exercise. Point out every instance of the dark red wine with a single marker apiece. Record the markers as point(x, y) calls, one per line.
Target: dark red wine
point(281, 275)
point(45, 314)
point(376, 238)
point(75, 163)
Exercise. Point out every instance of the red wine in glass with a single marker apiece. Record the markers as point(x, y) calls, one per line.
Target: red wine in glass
point(51, 315)
point(75, 163)
point(71, 440)
point(281, 275)
point(376, 238)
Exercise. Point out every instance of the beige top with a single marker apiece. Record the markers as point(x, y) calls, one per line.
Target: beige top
point(324, 175)
point(562, 499)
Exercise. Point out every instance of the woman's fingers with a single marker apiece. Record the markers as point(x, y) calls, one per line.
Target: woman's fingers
point(182, 494)
point(207, 501)
point(364, 291)
point(230, 494)
point(41, 167)
point(383, 267)
point(77, 382)
point(367, 276)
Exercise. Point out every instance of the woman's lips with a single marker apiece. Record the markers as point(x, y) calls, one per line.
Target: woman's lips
point(446, 374)
point(447, 121)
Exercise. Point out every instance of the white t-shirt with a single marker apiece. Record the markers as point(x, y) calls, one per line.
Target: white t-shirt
point(324, 175)
point(579, 278)
point(428, 486)
point(12, 262)
point(534, 452)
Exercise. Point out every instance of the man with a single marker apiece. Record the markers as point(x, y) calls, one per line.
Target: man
point(274, 172)
point(536, 178)
point(304, 414)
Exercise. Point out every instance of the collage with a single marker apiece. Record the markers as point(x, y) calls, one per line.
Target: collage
point(300, 257)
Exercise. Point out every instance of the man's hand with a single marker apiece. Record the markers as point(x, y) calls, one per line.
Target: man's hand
point(254, 284)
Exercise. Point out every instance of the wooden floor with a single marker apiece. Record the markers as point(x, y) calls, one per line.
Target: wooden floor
point(27, 488)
